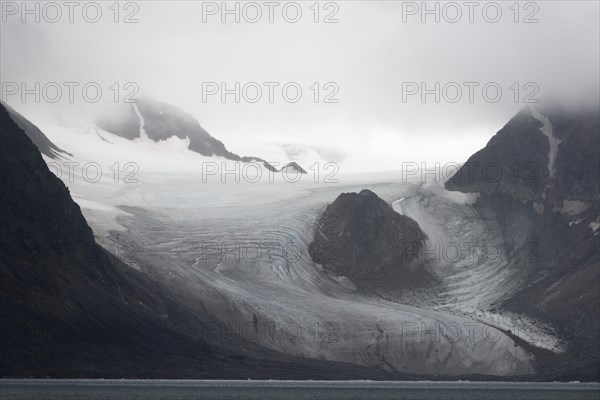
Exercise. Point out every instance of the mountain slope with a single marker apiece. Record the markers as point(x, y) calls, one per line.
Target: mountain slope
point(66, 306)
point(44, 145)
point(161, 121)
point(548, 200)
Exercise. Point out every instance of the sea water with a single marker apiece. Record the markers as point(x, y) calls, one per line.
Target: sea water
point(264, 390)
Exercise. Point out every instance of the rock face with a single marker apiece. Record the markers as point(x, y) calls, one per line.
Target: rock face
point(291, 166)
point(294, 167)
point(553, 148)
point(514, 162)
point(44, 145)
point(548, 199)
point(361, 237)
point(162, 121)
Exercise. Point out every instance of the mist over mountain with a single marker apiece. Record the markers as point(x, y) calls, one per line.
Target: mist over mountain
point(160, 121)
point(540, 302)
point(326, 200)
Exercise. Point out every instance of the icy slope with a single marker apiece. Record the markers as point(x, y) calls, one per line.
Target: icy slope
point(479, 269)
point(239, 251)
point(254, 290)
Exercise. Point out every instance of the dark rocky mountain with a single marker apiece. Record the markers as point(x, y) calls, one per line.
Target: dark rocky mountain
point(68, 308)
point(44, 145)
point(291, 166)
point(162, 121)
point(513, 162)
point(361, 237)
point(548, 199)
point(294, 167)
point(59, 291)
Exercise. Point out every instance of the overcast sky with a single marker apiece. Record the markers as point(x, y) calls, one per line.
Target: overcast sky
point(369, 55)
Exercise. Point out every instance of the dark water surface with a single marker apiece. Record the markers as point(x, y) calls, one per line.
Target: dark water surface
point(292, 390)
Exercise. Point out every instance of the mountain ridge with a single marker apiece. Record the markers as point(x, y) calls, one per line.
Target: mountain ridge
point(162, 120)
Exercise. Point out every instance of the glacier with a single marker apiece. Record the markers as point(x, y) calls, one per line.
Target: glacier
point(238, 250)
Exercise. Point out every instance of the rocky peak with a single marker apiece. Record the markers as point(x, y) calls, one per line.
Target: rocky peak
point(361, 237)
point(544, 153)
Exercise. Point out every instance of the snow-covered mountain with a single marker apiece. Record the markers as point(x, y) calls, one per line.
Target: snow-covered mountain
point(232, 256)
point(71, 307)
point(158, 121)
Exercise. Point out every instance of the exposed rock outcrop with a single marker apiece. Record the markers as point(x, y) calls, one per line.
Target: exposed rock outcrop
point(361, 237)
point(514, 162)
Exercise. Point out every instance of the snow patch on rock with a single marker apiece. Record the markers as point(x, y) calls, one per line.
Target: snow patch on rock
point(548, 131)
